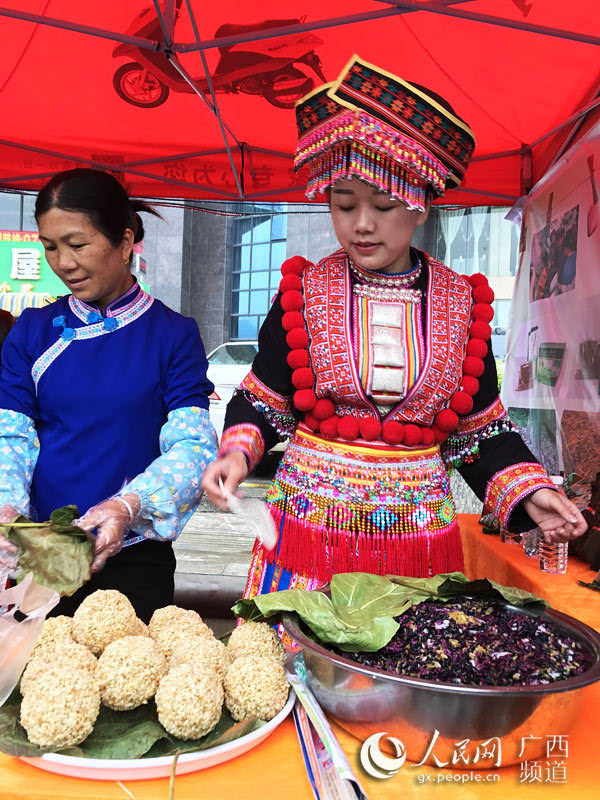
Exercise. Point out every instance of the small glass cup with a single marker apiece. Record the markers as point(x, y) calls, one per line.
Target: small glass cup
point(553, 556)
point(530, 541)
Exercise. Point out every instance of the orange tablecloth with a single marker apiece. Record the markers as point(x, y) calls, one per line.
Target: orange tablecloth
point(275, 768)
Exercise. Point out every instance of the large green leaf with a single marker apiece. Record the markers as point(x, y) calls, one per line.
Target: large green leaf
point(360, 616)
point(121, 734)
point(57, 553)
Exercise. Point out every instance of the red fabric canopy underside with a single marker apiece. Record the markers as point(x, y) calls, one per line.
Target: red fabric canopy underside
point(61, 106)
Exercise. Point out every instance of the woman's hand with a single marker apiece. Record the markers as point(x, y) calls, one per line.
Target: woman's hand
point(112, 519)
point(231, 469)
point(556, 516)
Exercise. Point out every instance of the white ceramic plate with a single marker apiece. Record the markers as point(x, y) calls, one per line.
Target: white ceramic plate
point(101, 769)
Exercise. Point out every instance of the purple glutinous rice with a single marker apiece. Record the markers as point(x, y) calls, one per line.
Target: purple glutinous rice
point(478, 642)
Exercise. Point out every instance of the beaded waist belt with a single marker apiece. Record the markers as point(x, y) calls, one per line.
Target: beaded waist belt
point(362, 507)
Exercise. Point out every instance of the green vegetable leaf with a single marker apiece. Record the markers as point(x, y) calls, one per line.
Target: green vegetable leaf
point(123, 734)
point(360, 615)
point(58, 554)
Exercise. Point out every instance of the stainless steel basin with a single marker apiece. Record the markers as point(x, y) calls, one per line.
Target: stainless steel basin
point(366, 700)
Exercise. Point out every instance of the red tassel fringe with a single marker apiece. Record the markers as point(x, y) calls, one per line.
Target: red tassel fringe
point(320, 551)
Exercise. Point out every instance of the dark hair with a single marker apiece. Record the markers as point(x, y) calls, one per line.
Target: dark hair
point(99, 196)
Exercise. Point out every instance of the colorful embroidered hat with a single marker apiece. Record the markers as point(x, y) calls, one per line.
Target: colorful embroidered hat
point(382, 129)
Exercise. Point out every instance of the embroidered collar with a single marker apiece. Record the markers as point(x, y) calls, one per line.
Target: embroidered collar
point(90, 312)
point(395, 280)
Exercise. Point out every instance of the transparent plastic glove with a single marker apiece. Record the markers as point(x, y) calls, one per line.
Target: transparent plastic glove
point(111, 519)
point(8, 551)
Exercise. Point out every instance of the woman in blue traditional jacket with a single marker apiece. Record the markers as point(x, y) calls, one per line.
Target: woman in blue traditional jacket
point(104, 397)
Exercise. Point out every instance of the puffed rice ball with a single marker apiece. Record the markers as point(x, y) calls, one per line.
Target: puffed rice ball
point(255, 686)
point(60, 708)
point(255, 639)
point(54, 629)
point(189, 701)
point(140, 628)
point(171, 624)
point(129, 671)
point(67, 653)
point(102, 617)
point(209, 653)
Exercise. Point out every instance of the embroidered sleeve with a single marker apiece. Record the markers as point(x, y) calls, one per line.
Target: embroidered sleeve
point(169, 489)
point(509, 487)
point(463, 444)
point(245, 438)
point(19, 450)
point(263, 399)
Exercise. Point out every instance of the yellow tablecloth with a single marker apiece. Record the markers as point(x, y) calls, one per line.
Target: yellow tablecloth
point(275, 768)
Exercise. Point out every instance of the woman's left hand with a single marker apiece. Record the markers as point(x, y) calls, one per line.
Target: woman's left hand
point(112, 519)
point(556, 516)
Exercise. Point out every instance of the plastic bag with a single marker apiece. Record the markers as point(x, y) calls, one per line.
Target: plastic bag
point(23, 609)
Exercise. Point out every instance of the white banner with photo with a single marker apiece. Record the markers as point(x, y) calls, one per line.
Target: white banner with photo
point(551, 380)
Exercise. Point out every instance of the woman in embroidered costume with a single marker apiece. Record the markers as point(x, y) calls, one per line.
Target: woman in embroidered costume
point(376, 361)
point(104, 397)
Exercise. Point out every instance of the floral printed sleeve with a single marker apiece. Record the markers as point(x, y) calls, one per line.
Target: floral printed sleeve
point(19, 450)
point(169, 489)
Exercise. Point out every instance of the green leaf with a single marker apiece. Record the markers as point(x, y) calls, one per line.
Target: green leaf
point(121, 734)
point(360, 616)
point(58, 554)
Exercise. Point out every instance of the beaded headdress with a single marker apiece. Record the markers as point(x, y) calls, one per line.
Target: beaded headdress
point(382, 129)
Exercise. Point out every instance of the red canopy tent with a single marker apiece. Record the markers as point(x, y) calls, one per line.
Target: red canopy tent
point(194, 100)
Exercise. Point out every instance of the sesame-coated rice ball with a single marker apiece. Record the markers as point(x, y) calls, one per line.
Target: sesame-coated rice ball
point(67, 653)
point(54, 629)
point(129, 671)
point(105, 615)
point(60, 708)
point(255, 686)
point(171, 624)
point(189, 701)
point(209, 653)
point(255, 639)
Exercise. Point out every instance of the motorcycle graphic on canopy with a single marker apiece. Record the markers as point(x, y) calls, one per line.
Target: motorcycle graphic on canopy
point(274, 68)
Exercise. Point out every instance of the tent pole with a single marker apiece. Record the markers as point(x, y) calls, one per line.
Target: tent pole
point(581, 113)
point(167, 39)
point(491, 156)
point(197, 154)
point(437, 8)
point(114, 168)
point(526, 170)
point(302, 27)
point(138, 41)
point(572, 133)
point(238, 179)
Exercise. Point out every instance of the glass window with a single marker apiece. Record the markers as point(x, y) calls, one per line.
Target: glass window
point(29, 223)
point(233, 353)
point(10, 211)
point(259, 249)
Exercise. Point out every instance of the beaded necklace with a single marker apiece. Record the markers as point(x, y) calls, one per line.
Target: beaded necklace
point(396, 280)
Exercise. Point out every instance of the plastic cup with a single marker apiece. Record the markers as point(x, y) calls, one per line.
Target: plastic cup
point(553, 557)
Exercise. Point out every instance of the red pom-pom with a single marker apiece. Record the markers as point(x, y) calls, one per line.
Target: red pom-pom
point(290, 283)
point(412, 435)
point(348, 428)
point(292, 319)
point(470, 385)
point(324, 408)
point(478, 279)
point(446, 420)
point(481, 311)
point(461, 402)
point(303, 378)
point(305, 399)
point(328, 427)
point(292, 301)
point(370, 429)
point(297, 358)
point(427, 436)
point(294, 266)
point(311, 421)
point(297, 338)
point(477, 347)
point(392, 432)
point(480, 330)
point(439, 435)
point(473, 366)
point(483, 294)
